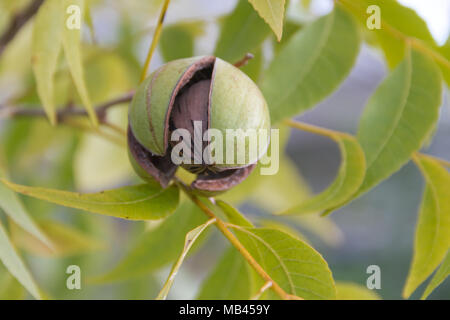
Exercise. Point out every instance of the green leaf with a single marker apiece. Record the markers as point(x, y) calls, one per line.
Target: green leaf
point(46, 46)
point(230, 279)
point(284, 227)
point(290, 28)
point(399, 117)
point(10, 289)
point(176, 42)
point(444, 63)
point(295, 266)
point(270, 184)
point(440, 275)
point(272, 11)
point(140, 202)
point(311, 65)
point(233, 215)
point(432, 239)
point(189, 241)
point(352, 291)
point(14, 208)
point(242, 32)
point(398, 23)
point(158, 247)
point(72, 51)
point(67, 240)
point(349, 178)
point(286, 188)
point(15, 265)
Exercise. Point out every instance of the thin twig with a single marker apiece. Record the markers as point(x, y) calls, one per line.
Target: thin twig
point(221, 225)
point(17, 22)
point(155, 40)
point(64, 113)
point(244, 60)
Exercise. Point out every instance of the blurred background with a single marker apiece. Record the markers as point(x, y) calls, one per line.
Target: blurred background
point(376, 229)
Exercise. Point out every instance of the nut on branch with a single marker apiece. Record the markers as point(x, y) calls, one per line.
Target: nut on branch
point(196, 94)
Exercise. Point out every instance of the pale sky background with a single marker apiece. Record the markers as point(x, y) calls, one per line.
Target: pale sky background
point(437, 15)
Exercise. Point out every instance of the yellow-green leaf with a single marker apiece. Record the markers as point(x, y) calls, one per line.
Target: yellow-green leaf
point(176, 43)
point(242, 31)
point(432, 239)
point(398, 23)
point(140, 202)
point(311, 65)
point(10, 289)
point(46, 46)
point(233, 215)
point(15, 265)
point(177, 40)
point(230, 279)
point(353, 291)
point(440, 275)
point(67, 240)
point(272, 11)
point(286, 188)
point(292, 264)
point(189, 241)
point(399, 117)
point(72, 51)
point(349, 178)
point(13, 207)
point(157, 247)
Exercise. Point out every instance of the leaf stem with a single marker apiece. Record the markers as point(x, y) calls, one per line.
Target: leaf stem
point(263, 289)
point(221, 225)
point(314, 129)
point(155, 39)
point(248, 56)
